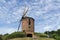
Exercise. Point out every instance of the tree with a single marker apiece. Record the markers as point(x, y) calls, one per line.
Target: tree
point(0, 37)
point(58, 31)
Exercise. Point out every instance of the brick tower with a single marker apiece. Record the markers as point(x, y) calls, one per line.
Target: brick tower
point(28, 26)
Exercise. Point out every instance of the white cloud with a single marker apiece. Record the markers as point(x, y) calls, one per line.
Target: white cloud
point(58, 27)
point(8, 22)
point(47, 28)
point(4, 30)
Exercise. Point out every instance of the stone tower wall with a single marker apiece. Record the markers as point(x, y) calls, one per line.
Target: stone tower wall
point(29, 29)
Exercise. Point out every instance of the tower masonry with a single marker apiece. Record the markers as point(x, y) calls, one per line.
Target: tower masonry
point(28, 26)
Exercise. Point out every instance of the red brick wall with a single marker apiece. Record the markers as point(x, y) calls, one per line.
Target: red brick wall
point(25, 25)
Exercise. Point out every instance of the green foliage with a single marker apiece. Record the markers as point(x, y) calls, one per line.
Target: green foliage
point(58, 32)
point(5, 36)
point(0, 37)
point(57, 37)
point(41, 35)
point(38, 34)
point(14, 35)
point(54, 34)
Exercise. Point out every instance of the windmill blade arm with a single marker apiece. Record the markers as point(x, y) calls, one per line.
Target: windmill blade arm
point(19, 24)
point(25, 12)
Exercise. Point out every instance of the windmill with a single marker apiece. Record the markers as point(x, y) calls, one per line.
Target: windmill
point(27, 24)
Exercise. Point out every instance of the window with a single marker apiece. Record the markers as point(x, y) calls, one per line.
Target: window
point(29, 22)
point(23, 30)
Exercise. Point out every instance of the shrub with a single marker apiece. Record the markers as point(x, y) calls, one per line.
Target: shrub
point(14, 35)
point(0, 38)
point(41, 35)
point(5, 36)
point(57, 37)
point(53, 36)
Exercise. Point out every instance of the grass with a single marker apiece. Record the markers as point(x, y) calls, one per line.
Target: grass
point(27, 38)
point(21, 39)
point(39, 36)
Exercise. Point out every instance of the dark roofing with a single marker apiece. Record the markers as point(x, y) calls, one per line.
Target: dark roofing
point(28, 17)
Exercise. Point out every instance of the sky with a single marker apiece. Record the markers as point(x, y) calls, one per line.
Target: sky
point(45, 12)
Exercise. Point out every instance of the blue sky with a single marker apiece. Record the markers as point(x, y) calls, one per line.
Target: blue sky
point(45, 12)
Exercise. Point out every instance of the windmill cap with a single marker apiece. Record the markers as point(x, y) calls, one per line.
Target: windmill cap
point(28, 17)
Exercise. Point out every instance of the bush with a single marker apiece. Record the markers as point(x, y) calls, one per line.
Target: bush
point(53, 36)
point(38, 34)
point(14, 35)
point(41, 35)
point(5, 36)
point(0, 38)
point(57, 37)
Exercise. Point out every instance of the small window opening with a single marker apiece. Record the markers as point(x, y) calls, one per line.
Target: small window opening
point(29, 22)
point(23, 30)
